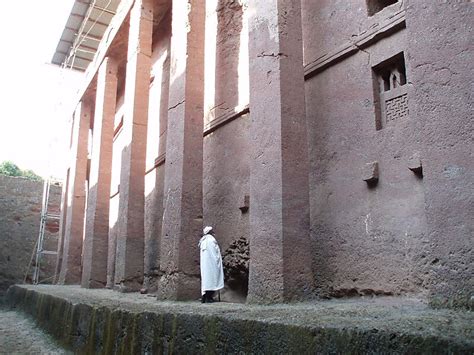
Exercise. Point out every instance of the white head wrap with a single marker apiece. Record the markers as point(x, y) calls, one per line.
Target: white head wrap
point(206, 230)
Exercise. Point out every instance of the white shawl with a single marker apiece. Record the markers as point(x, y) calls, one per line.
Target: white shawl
point(212, 273)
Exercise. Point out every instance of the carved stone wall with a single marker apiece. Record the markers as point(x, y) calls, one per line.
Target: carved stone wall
point(397, 107)
point(369, 233)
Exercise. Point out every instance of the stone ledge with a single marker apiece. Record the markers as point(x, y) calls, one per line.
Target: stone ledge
point(104, 321)
point(390, 25)
point(224, 119)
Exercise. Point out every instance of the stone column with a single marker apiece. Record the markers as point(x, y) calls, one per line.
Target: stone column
point(62, 226)
point(280, 268)
point(97, 215)
point(182, 219)
point(130, 238)
point(442, 75)
point(76, 197)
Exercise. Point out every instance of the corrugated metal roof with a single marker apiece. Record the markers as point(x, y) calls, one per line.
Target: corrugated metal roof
point(83, 32)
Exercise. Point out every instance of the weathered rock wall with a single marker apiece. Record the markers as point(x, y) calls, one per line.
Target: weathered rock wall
point(393, 237)
point(441, 48)
point(20, 210)
point(366, 239)
point(388, 83)
point(225, 185)
point(226, 179)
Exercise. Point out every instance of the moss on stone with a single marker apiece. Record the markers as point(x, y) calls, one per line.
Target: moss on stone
point(172, 339)
point(211, 329)
point(108, 333)
point(90, 342)
point(158, 335)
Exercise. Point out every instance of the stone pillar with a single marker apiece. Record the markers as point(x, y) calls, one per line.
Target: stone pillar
point(442, 74)
point(130, 238)
point(94, 273)
point(182, 219)
point(280, 268)
point(76, 197)
point(62, 226)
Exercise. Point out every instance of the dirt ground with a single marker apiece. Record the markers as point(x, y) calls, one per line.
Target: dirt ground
point(19, 335)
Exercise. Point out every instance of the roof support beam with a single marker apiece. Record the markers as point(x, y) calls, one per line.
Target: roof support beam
point(79, 57)
point(88, 47)
point(85, 2)
point(64, 41)
point(107, 11)
point(79, 16)
point(89, 36)
point(76, 67)
point(90, 19)
point(97, 22)
point(84, 35)
point(80, 45)
point(79, 49)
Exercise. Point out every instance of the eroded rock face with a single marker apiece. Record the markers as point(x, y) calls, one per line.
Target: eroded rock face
point(20, 210)
point(236, 266)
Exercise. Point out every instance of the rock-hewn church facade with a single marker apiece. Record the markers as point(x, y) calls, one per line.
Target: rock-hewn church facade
point(335, 137)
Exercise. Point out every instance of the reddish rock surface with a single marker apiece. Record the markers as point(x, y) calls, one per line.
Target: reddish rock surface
point(340, 147)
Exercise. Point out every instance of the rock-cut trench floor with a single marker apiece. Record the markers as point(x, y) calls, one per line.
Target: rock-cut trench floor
point(20, 335)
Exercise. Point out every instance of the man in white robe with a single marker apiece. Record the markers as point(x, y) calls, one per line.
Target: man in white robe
point(212, 273)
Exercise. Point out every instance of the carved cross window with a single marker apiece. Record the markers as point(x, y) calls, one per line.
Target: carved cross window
point(390, 91)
